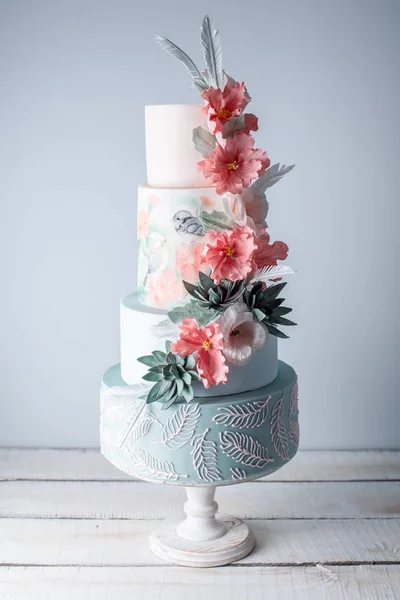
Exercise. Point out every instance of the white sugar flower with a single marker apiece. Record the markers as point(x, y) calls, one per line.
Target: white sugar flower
point(242, 335)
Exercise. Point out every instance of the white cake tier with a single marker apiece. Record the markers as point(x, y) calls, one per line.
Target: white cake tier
point(170, 240)
point(138, 339)
point(170, 153)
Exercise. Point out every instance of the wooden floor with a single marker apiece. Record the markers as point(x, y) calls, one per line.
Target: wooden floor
point(72, 527)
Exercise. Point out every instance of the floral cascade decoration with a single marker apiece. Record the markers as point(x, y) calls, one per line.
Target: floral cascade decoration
point(235, 302)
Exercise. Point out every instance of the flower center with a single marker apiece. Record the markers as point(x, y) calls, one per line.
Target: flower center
point(206, 345)
point(224, 114)
point(235, 332)
point(228, 251)
point(233, 166)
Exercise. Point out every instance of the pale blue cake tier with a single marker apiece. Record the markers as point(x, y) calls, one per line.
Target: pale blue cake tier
point(214, 441)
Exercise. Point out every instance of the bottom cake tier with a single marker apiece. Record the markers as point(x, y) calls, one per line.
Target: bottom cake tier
point(214, 441)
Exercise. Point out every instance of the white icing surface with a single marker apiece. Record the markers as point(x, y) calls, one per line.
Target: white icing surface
point(138, 339)
point(170, 153)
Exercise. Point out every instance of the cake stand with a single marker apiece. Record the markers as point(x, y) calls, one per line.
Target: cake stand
point(200, 445)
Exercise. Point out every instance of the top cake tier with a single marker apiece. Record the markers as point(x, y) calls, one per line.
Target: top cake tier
point(170, 153)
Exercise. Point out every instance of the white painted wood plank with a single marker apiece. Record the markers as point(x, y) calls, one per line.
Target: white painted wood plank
point(90, 465)
point(169, 583)
point(125, 543)
point(139, 500)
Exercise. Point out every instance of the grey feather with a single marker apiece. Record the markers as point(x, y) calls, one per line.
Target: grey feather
point(212, 51)
point(180, 55)
point(186, 224)
point(270, 177)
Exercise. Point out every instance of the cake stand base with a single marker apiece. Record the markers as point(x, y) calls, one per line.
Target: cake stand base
point(236, 543)
point(201, 539)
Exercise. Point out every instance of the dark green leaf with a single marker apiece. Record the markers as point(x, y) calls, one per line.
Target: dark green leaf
point(187, 393)
point(160, 356)
point(281, 320)
point(168, 345)
point(282, 310)
point(205, 281)
point(157, 369)
point(274, 290)
point(190, 288)
point(179, 385)
point(157, 390)
point(149, 361)
point(194, 375)
point(276, 332)
point(186, 378)
point(170, 358)
point(152, 376)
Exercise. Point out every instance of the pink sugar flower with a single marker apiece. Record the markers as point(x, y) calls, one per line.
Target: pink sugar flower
point(230, 253)
point(165, 290)
point(233, 167)
point(221, 106)
point(189, 261)
point(242, 334)
point(268, 254)
point(207, 343)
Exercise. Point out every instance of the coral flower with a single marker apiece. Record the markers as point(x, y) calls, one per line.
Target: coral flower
point(242, 335)
point(189, 261)
point(230, 253)
point(268, 254)
point(165, 290)
point(233, 167)
point(207, 342)
point(221, 106)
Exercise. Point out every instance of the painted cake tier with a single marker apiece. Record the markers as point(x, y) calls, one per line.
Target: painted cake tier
point(171, 240)
point(218, 441)
point(139, 339)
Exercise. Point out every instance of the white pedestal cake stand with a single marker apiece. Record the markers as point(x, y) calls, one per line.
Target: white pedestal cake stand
point(201, 539)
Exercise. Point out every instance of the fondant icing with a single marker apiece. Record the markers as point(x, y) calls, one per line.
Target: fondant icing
point(138, 339)
point(213, 441)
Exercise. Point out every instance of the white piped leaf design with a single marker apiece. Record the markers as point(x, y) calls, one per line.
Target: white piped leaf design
point(249, 415)
point(179, 428)
point(205, 457)
point(279, 436)
point(238, 474)
point(244, 449)
point(294, 430)
point(142, 426)
point(147, 466)
point(165, 329)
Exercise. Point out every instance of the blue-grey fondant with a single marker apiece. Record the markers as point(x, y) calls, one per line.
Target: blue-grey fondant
point(214, 441)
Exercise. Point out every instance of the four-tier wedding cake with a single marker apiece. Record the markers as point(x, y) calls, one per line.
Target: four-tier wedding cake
point(199, 397)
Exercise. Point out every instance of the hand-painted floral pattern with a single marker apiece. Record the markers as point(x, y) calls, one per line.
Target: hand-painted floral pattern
point(165, 289)
point(189, 261)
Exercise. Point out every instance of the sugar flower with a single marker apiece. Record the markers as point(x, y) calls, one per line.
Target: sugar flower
point(233, 167)
point(165, 289)
point(242, 335)
point(207, 344)
point(268, 254)
point(222, 105)
point(189, 261)
point(230, 253)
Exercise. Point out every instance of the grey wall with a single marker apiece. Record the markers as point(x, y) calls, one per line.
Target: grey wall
point(75, 76)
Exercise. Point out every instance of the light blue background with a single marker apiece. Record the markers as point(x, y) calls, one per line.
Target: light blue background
point(74, 78)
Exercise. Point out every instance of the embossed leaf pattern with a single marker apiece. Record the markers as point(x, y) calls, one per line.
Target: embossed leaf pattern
point(279, 436)
point(249, 415)
point(205, 457)
point(238, 474)
point(145, 465)
point(179, 428)
point(120, 408)
point(244, 449)
point(294, 430)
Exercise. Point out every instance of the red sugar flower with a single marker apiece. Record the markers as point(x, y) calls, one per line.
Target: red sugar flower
point(208, 343)
point(230, 253)
point(221, 106)
point(268, 254)
point(233, 167)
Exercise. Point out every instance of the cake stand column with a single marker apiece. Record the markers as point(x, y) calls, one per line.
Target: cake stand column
point(200, 524)
point(201, 540)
